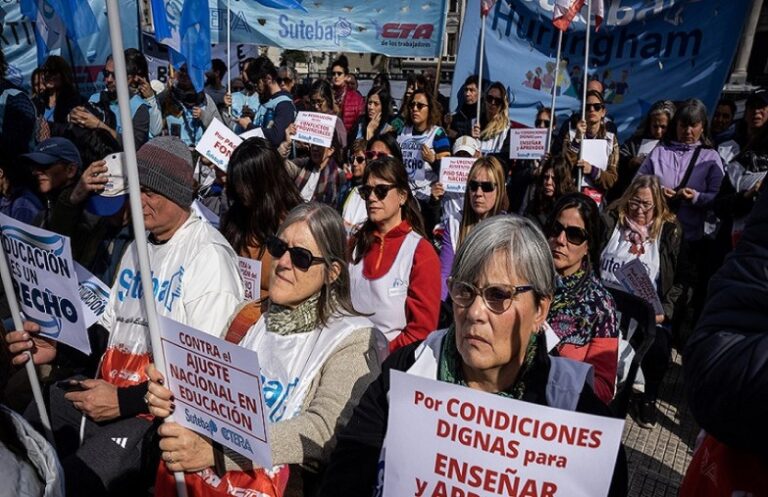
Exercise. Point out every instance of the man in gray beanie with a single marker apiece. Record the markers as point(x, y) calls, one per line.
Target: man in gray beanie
point(195, 282)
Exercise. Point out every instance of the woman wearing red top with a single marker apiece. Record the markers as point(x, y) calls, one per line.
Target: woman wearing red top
point(395, 272)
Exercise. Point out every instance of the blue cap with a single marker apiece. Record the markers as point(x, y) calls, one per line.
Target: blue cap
point(53, 150)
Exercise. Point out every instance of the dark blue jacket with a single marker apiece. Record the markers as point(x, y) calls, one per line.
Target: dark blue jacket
point(726, 359)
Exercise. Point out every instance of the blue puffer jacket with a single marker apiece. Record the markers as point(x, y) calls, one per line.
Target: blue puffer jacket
point(726, 359)
point(37, 475)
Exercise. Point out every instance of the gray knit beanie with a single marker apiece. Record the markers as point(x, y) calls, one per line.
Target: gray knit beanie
point(165, 166)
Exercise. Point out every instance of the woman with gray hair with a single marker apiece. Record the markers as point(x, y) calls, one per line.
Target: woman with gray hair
point(633, 152)
point(317, 356)
point(502, 284)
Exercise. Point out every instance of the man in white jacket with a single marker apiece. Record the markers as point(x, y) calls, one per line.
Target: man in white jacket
point(195, 281)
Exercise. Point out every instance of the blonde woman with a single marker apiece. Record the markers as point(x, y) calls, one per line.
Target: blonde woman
point(495, 122)
point(641, 226)
point(485, 196)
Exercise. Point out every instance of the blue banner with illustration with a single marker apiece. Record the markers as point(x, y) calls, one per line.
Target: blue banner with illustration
point(89, 52)
point(398, 28)
point(644, 52)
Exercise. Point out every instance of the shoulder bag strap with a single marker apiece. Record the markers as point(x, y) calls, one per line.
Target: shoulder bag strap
point(689, 171)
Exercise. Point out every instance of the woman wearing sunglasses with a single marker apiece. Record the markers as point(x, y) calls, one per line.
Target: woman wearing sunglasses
point(501, 287)
point(395, 271)
point(582, 313)
point(310, 338)
point(595, 181)
point(423, 143)
point(484, 197)
point(260, 194)
point(641, 226)
point(494, 124)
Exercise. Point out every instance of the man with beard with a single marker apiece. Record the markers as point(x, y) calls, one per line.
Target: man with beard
point(277, 111)
point(103, 111)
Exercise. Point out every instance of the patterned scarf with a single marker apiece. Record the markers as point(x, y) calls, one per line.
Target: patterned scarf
point(286, 321)
point(449, 365)
point(636, 234)
point(328, 184)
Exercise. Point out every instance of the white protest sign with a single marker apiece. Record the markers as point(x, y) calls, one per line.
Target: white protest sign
point(315, 128)
point(250, 270)
point(218, 143)
point(255, 132)
point(634, 277)
point(94, 295)
point(412, 157)
point(45, 281)
point(595, 152)
point(449, 440)
point(217, 385)
point(527, 143)
point(646, 147)
point(454, 172)
point(205, 213)
point(749, 179)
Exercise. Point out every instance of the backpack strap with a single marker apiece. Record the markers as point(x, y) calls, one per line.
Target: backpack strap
point(689, 171)
point(247, 316)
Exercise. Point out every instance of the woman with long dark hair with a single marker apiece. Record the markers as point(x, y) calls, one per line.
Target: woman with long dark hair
point(554, 181)
point(377, 117)
point(61, 94)
point(395, 271)
point(261, 194)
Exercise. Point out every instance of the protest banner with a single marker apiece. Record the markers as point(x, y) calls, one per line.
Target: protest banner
point(218, 143)
point(218, 387)
point(94, 295)
point(250, 270)
point(315, 128)
point(45, 282)
point(642, 50)
point(448, 440)
point(634, 277)
point(527, 143)
point(454, 172)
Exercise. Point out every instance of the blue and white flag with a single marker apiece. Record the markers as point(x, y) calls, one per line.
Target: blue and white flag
point(55, 20)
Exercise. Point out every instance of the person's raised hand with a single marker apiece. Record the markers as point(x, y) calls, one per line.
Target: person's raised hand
point(22, 343)
point(183, 449)
point(159, 399)
point(91, 181)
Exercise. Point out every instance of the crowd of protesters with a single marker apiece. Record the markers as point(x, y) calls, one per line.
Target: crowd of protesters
point(370, 265)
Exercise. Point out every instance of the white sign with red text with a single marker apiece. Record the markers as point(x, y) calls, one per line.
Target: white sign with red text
point(454, 172)
point(218, 143)
point(217, 386)
point(250, 270)
point(527, 143)
point(449, 440)
point(315, 128)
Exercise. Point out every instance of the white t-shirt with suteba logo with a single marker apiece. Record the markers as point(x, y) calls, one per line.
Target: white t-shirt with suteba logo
point(195, 282)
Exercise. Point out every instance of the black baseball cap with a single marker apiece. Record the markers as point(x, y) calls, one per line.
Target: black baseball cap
point(758, 99)
point(53, 150)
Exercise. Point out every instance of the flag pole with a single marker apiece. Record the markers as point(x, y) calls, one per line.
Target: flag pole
point(480, 71)
point(34, 381)
point(439, 69)
point(584, 90)
point(554, 90)
point(229, 48)
point(134, 195)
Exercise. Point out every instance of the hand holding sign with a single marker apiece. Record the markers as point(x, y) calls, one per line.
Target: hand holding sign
point(218, 143)
point(315, 128)
point(28, 340)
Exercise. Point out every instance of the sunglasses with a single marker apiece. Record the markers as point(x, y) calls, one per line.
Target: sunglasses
point(595, 107)
point(497, 298)
point(373, 155)
point(335, 73)
point(542, 122)
point(284, 81)
point(359, 159)
point(380, 191)
point(573, 234)
point(107, 74)
point(493, 100)
point(300, 257)
point(418, 105)
point(486, 186)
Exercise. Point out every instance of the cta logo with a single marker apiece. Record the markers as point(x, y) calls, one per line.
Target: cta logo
point(402, 31)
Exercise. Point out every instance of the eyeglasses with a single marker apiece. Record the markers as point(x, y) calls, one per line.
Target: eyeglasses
point(595, 107)
point(338, 73)
point(497, 298)
point(284, 81)
point(493, 100)
point(639, 205)
point(359, 159)
point(486, 186)
point(573, 234)
point(380, 191)
point(542, 123)
point(107, 74)
point(300, 257)
point(418, 105)
point(373, 155)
